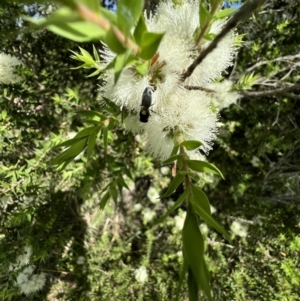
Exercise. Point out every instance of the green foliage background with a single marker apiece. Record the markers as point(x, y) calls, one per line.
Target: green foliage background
point(58, 213)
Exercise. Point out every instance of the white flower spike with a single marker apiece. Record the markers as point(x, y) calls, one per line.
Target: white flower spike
point(175, 107)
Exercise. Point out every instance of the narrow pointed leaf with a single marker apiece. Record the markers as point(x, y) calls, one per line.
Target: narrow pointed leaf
point(67, 143)
point(175, 150)
point(202, 166)
point(201, 198)
point(173, 185)
point(91, 142)
point(192, 286)
point(209, 219)
point(105, 134)
point(140, 29)
point(91, 114)
point(104, 200)
point(191, 144)
point(128, 13)
point(191, 174)
point(224, 13)
point(172, 159)
point(193, 246)
point(114, 194)
point(85, 132)
point(150, 44)
point(71, 152)
point(179, 201)
point(183, 272)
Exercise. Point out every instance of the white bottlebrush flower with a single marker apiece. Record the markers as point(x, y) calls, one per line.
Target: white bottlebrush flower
point(187, 112)
point(223, 97)
point(255, 161)
point(28, 282)
point(22, 259)
point(179, 220)
point(239, 229)
point(153, 195)
point(8, 65)
point(80, 260)
point(148, 215)
point(175, 109)
point(141, 274)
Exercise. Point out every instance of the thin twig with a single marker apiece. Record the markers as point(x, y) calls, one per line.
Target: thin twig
point(270, 92)
point(199, 88)
point(286, 59)
point(242, 13)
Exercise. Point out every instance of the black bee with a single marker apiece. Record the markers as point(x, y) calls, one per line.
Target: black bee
point(146, 104)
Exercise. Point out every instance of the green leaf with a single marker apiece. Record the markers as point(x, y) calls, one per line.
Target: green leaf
point(123, 183)
point(175, 150)
point(71, 152)
point(128, 13)
point(67, 143)
point(172, 159)
point(192, 286)
point(67, 23)
point(80, 31)
point(104, 200)
point(183, 272)
point(202, 166)
point(193, 250)
point(209, 219)
point(203, 13)
point(61, 16)
point(91, 142)
point(85, 132)
point(191, 144)
point(143, 68)
point(140, 29)
point(191, 174)
point(113, 43)
point(209, 36)
point(92, 114)
point(120, 63)
point(96, 55)
point(114, 193)
point(224, 13)
point(150, 43)
point(112, 17)
point(92, 4)
point(173, 185)
point(105, 134)
point(201, 198)
point(179, 201)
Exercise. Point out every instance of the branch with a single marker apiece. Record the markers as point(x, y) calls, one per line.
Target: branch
point(287, 58)
point(199, 88)
point(242, 13)
point(270, 92)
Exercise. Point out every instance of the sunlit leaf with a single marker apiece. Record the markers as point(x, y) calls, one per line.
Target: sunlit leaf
point(128, 13)
point(209, 219)
point(140, 29)
point(191, 144)
point(203, 166)
point(200, 198)
point(150, 44)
